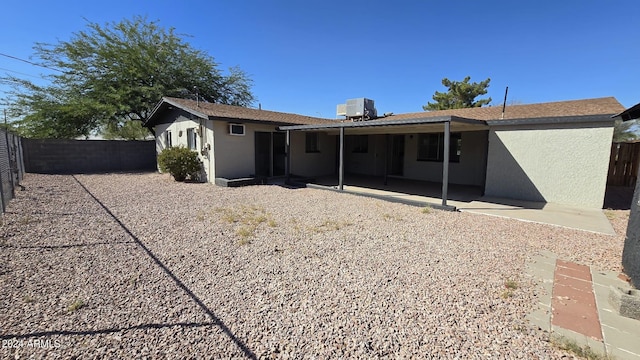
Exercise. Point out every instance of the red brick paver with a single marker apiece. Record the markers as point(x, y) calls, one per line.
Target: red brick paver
point(573, 304)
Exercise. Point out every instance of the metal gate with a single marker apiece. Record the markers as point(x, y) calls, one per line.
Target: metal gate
point(11, 166)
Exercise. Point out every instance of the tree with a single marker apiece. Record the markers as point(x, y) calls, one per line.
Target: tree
point(107, 76)
point(461, 94)
point(626, 130)
point(126, 130)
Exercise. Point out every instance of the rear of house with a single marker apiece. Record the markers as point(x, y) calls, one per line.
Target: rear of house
point(235, 142)
point(551, 152)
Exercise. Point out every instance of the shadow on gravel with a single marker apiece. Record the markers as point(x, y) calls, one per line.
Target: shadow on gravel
point(215, 320)
point(66, 246)
point(102, 331)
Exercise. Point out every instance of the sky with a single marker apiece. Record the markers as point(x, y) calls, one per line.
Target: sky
point(305, 57)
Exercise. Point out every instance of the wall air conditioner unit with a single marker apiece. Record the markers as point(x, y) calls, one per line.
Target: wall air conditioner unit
point(236, 129)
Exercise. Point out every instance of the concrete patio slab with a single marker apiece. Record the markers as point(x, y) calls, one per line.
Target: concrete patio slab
point(469, 200)
point(592, 220)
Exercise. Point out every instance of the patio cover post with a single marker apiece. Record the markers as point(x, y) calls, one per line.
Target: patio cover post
point(287, 164)
point(341, 170)
point(386, 157)
point(445, 162)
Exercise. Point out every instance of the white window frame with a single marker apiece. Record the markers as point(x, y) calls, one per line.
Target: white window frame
point(236, 126)
point(168, 141)
point(192, 139)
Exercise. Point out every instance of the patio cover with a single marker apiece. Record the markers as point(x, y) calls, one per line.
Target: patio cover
point(385, 126)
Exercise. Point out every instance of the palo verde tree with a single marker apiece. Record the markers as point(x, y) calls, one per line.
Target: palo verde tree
point(461, 94)
point(108, 78)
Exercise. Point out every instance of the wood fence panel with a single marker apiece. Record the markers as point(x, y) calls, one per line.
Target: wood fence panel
point(624, 164)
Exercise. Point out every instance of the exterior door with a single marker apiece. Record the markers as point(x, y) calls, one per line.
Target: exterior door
point(397, 155)
point(279, 153)
point(263, 153)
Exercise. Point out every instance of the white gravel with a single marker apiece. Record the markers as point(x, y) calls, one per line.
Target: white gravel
point(199, 271)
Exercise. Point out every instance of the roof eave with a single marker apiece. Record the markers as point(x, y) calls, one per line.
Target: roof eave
point(376, 123)
point(631, 113)
point(158, 108)
point(252, 121)
point(553, 120)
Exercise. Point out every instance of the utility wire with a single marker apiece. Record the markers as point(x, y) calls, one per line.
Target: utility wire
point(30, 62)
point(21, 73)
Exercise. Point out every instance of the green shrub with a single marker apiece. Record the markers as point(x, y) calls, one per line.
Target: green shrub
point(180, 162)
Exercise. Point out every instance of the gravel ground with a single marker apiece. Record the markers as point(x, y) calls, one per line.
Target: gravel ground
point(153, 268)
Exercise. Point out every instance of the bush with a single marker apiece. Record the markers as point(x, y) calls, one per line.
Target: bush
point(180, 162)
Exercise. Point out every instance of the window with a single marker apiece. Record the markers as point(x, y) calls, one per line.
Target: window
point(431, 147)
point(192, 138)
point(311, 142)
point(167, 139)
point(361, 144)
point(236, 129)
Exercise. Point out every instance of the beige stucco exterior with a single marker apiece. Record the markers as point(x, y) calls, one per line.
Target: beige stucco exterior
point(469, 171)
point(564, 164)
point(230, 156)
point(181, 123)
point(371, 162)
point(551, 152)
point(313, 164)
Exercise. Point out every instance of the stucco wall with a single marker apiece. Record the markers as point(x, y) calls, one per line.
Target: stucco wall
point(313, 164)
point(181, 121)
point(370, 163)
point(559, 164)
point(235, 155)
point(469, 171)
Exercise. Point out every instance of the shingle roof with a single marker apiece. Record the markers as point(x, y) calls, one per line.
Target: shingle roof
point(243, 113)
point(599, 106)
point(572, 108)
point(631, 113)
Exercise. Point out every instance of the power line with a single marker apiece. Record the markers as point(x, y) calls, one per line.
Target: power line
point(30, 62)
point(21, 73)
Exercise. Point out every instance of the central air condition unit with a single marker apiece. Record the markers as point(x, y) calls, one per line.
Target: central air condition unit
point(361, 108)
point(341, 110)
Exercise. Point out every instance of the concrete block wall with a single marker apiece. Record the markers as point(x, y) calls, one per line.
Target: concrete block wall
point(57, 156)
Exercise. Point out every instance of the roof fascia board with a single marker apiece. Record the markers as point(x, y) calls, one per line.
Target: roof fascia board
point(164, 102)
point(186, 108)
point(252, 121)
point(370, 123)
point(631, 113)
point(553, 120)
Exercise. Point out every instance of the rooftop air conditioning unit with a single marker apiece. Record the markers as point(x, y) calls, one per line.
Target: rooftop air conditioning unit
point(341, 110)
point(361, 108)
